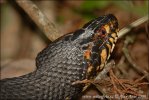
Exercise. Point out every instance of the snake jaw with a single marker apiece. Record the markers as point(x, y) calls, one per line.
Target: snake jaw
point(101, 44)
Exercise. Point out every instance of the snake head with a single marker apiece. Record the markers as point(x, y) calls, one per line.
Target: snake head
point(98, 41)
point(101, 25)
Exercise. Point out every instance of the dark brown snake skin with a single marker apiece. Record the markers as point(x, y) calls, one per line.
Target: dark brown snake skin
point(76, 56)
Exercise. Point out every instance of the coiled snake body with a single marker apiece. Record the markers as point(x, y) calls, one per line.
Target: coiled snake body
point(76, 56)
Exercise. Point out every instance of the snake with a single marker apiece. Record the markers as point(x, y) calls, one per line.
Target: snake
point(79, 55)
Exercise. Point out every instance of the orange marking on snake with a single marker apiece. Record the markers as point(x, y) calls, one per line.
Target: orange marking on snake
point(103, 56)
point(87, 54)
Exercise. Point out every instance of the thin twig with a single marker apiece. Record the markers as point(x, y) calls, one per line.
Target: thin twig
point(111, 73)
point(128, 28)
point(113, 83)
point(128, 87)
point(139, 79)
point(39, 18)
point(120, 65)
point(103, 73)
point(133, 64)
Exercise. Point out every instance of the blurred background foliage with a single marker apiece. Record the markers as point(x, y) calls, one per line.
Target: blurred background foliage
point(141, 9)
point(88, 8)
point(124, 5)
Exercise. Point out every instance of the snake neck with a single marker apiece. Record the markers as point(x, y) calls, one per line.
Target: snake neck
point(97, 40)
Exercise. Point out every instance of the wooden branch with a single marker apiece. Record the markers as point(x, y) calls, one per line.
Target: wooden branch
point(104, 72)
point(128, 28)
point(39, 18)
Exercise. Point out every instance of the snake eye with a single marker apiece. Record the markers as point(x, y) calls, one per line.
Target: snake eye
point(101, 32)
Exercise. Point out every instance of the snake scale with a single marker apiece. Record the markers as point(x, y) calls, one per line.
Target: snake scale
point(76, 56)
